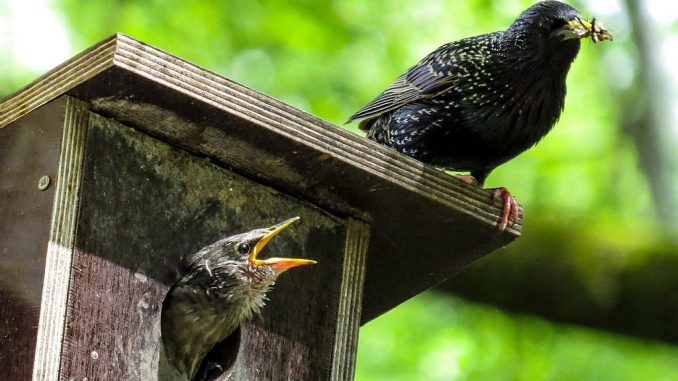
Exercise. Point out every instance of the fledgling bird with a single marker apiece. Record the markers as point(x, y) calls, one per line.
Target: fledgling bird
point(225, 284)
point(474, 104)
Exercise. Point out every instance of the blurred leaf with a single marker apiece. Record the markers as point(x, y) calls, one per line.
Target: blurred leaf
point(435, 337)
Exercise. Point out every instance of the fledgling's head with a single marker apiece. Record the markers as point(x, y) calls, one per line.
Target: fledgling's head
point(232, 265)
point(223, 285)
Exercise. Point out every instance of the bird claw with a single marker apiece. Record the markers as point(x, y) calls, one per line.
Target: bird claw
point(510, 209)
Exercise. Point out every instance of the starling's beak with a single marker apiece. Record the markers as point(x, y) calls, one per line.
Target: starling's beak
point(278, 264)
point(579, 28)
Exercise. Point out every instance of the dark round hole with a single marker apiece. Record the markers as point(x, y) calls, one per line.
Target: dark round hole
point(221, 358)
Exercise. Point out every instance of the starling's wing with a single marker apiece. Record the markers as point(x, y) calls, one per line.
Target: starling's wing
point(433, 75)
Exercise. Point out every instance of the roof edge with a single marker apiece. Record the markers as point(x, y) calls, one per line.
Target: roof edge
point(51, 85)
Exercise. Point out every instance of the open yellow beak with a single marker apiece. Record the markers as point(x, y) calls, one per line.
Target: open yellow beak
point(580, 28)
point(278, 264)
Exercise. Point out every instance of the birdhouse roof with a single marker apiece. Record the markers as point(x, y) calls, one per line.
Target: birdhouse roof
point(425, 224)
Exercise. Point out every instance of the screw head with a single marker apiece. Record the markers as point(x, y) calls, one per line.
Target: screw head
point(43, 183)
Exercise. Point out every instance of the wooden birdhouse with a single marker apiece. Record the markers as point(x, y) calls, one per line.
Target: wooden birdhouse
point(120, 162)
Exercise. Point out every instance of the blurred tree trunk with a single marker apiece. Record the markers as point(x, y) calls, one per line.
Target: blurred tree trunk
point(565, 271)
point(646, 116)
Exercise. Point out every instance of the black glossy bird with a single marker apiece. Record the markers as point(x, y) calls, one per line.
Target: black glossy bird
point(225, 284)
point(474, 104)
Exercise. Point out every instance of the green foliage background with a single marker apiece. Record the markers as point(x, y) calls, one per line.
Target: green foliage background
point(331, 57)
point(435, 337)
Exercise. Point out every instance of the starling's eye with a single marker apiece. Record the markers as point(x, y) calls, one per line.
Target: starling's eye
point(557, 24)
point(244, 248)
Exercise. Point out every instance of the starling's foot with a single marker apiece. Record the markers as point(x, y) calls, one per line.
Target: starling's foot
point(510, 210)
point(468, 179)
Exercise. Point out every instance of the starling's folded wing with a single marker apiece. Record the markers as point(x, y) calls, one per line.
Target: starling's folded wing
point(431, 76)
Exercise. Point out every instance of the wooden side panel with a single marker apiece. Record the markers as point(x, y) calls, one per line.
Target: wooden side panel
point(350, 300)
point(60, 248)
point(144, 206)
point(29, 149)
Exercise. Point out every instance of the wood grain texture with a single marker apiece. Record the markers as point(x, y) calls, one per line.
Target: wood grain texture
point(57, 81)
point(350, 301)
point(414, 209)
point(145, 205)
point(61, 240)
point(29, 149)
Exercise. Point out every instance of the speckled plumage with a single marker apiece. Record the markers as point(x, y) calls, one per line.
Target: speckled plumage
point(474, 104)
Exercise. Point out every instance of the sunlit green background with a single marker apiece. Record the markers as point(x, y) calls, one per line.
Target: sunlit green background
point(600, 241)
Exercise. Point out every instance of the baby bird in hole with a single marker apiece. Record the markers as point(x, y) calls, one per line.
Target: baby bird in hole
point(225, 284)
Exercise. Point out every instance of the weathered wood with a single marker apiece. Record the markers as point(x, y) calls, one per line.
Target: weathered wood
point(294, 152)
point(145, 205)
point(61, 242)
point(350, 300)
point(29, 149)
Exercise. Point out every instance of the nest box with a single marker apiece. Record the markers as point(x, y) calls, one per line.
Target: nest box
point(125, 159)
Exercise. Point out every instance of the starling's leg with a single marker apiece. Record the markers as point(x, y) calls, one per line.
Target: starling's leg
point(468, 179)
point(510, 210)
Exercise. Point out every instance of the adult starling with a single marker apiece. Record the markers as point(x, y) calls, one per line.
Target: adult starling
point(225, 284)
point(474, 104)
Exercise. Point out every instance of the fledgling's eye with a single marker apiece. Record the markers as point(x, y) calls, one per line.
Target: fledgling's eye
point(244, 248)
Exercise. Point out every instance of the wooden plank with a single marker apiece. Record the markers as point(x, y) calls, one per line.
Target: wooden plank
point(350, 301)
point(61, 240)
point(29, 150)
point(278, 145)
point(57, 81)
point(145, 205)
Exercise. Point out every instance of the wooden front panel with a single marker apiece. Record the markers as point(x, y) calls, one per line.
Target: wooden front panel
point(144, 205)
point(29, 149)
